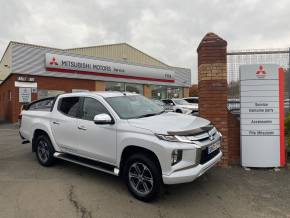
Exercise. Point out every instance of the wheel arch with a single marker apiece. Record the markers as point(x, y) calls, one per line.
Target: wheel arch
point(133, 149)
point(36, 134)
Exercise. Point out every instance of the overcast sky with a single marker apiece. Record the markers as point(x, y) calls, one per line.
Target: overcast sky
point(169, 30)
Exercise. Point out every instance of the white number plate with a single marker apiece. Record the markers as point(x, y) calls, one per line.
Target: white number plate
point(213, 147)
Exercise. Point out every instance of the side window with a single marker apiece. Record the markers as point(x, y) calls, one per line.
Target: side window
point(69, 106)
point(91, 108)
point(45, 104)
point(166, 102)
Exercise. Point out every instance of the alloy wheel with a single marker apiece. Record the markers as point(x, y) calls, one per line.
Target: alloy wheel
point(43, 151)
point(140, 178)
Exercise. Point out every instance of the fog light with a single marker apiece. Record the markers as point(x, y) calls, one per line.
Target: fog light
point(176, 157)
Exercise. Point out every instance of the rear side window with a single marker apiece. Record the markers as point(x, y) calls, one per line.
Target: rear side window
point(44, 104)
point(91, 108)
point(69, 106)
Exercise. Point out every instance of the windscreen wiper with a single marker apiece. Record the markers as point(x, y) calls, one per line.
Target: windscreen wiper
point(150, 115)
point(147, 115)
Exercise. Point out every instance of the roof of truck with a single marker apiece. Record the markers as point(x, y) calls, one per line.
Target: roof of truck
point(104, 94)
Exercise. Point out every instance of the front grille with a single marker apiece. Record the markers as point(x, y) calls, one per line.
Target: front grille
point(205, 157)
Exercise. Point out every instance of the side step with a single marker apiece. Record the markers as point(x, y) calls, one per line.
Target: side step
point(88, 163)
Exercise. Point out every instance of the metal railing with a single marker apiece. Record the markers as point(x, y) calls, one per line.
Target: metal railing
point(254, 56)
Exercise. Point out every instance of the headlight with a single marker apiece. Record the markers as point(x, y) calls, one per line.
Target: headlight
point(170, 138)
point(176, 156)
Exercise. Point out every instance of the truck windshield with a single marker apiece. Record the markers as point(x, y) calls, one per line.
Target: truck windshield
point(134, 106)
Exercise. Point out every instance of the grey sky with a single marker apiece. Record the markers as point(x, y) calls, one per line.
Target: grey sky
point(169, 30)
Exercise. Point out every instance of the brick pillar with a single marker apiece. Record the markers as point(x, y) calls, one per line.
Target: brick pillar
point(100, 86)
point(212, 86)
point(147, 91)
point(185, 92)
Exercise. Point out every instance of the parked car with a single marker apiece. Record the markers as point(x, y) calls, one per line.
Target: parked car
point(234, 106)
point(165, 107)
point(123, 134)
point(193, 101)
point(179, 105)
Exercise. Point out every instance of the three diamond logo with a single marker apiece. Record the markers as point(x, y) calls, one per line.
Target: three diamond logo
point(261, 72)
point(53, 61)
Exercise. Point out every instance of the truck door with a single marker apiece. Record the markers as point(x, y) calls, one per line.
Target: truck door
point(97, 141)
point(64, 124)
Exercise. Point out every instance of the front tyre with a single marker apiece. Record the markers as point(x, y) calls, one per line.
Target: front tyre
point(178, 111)
point(143, 177)
point(44, 150)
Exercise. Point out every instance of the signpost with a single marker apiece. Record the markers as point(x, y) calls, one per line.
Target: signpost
point(262, 115)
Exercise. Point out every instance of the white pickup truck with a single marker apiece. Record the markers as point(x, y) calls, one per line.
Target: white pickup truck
point(123, 134)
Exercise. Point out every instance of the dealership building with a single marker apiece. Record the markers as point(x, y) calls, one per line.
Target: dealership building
point(30, 72)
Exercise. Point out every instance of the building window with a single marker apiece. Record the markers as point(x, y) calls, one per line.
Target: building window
point(162, 92)
point(114, 86)
point(124, 87)
point(135, 88)
point(158, 92)
point(173, 92)
point(43, 93)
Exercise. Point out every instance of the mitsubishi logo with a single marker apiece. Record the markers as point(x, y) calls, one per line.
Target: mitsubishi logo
point(261, 73)
point(53, 61)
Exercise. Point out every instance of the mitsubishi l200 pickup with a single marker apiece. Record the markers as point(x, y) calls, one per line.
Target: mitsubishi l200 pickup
point(123, 134)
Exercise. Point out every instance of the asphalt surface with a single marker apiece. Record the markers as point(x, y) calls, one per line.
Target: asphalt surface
point(28, 190)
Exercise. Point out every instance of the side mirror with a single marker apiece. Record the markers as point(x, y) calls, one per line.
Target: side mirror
point(103, 119)
point(171, 104)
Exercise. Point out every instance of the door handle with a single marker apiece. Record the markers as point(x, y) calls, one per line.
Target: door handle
point(56, 123)
point(82, 128)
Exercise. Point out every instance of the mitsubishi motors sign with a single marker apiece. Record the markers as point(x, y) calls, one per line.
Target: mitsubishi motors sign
point(262, 115)
point(87, 66)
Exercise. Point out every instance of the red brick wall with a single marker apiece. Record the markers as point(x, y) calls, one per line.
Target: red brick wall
point(9, 110)
point(64, 84)
point(7, 105)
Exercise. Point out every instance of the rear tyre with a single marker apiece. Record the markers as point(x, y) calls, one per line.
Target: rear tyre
point(44, 151)
point(143, 177)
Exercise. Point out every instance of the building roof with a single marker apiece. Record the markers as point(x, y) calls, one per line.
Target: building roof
point(104, 51)
point(122, 52)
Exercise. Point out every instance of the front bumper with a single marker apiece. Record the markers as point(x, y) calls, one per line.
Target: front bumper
point(188, 175)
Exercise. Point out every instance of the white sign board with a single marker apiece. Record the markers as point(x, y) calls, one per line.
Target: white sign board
point(24, 95)
point(25, 84)
point(262, 115)
point(88, 66)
